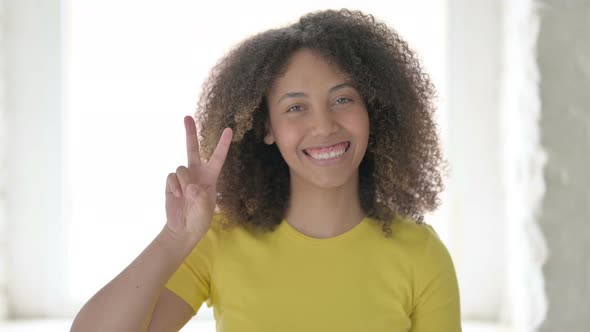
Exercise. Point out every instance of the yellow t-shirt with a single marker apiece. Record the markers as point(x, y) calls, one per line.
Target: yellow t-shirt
point(356, 281)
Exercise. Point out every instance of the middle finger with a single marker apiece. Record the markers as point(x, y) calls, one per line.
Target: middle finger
point(192, 143)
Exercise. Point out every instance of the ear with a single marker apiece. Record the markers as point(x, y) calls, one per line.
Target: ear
point(269, 138)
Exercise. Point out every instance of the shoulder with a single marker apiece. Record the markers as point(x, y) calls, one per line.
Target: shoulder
point(422, 242)
point(432, 260)
point(435, 289)
point(410, 233)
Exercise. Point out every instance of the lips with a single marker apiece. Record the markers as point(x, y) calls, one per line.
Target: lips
point(327, 149)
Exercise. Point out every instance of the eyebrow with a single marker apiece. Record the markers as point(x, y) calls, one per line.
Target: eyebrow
point(302, 94)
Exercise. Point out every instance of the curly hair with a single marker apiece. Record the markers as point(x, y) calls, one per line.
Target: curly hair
point(401, 173)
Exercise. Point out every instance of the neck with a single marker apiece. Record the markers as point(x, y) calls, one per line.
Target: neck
point(324, 212)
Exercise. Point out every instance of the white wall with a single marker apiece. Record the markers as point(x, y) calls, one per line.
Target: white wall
point(34, 171)
point(476, 181)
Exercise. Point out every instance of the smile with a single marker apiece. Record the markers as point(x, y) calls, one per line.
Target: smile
point(330, 153)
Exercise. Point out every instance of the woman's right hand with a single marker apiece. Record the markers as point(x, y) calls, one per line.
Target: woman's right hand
point(191, 192)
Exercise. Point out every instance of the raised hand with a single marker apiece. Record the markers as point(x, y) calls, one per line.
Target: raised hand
point(191, 192)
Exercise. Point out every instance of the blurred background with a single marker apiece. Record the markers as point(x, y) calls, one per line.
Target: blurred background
point(92, 96)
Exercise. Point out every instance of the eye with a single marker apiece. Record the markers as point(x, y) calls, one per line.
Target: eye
point(343, 100)
point(294, 108)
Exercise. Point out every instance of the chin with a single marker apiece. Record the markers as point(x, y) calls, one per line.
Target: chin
point(329, 182)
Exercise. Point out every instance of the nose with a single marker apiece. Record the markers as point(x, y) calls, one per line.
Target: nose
point(325, 122)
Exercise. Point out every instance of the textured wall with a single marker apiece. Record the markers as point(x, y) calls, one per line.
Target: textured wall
point(564, 63)
point(3, 302)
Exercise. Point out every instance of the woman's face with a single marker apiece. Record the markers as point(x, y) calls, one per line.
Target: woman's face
point(318, 120)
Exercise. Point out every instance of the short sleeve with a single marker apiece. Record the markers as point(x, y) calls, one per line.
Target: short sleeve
point(192, 280)
point(437, 304)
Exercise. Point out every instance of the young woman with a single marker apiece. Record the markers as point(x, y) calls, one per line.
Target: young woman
point(334, 160)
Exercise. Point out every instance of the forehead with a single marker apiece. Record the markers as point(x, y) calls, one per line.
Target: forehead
point(307, 69)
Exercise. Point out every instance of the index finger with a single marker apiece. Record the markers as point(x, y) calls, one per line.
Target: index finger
point(218, 157)
point(192, 143)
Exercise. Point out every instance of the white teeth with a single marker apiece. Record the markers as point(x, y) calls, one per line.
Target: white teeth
point(329, 155)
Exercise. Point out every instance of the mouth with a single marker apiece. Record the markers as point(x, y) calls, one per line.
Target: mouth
point(328, 153)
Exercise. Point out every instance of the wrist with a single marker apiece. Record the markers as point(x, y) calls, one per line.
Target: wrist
point(175, 243)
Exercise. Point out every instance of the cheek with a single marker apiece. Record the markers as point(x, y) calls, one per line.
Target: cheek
point(287, 136)
point(359, 124)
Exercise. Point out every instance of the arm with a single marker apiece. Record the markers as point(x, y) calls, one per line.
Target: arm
point(170, 314)
point(437, 306)
point(126, 303)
